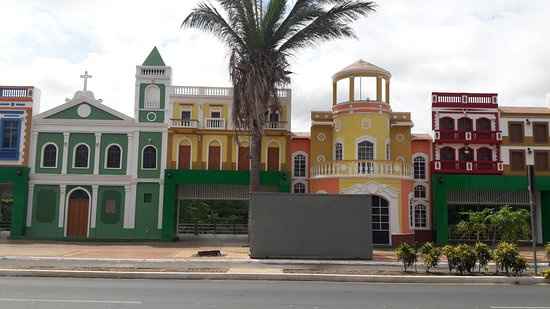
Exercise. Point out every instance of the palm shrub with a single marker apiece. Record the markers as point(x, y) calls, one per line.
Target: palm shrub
point(431, 256)
point(519, 266)
point(407, 255)
point(450, 253)
point(506, 256)
point(465, 258)
point(261, 36)
point(546, 274)
point(483, 254)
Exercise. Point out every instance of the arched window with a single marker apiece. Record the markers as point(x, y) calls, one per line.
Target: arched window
point(483, 125)
point(81, 157)
point(299, 187)
point(466, 154)
point(465, 124)
point(447, 154)
point(338, 152)
point(149, 157)
point(484, 154)
point(419, 165)
point(49, 156)
point(152, 97)
point(365, 151)
point(420, 191)
point(114, 157)
point(446, 124)
point(299, 165)
point(420, 216)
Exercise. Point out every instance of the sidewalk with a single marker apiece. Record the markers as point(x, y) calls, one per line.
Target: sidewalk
point(179, 260)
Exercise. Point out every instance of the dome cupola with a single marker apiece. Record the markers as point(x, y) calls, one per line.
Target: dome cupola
point(361, 82)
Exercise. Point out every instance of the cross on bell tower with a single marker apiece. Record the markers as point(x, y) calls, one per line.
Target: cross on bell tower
point(85, 78)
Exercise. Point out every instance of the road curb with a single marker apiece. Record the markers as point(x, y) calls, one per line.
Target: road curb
point(270, 277)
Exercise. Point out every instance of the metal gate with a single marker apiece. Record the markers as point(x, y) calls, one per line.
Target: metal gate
point(380, 220)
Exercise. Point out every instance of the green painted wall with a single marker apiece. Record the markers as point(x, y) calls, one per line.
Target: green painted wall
point(74, 140)
point(159, 116)
point(173, 178)
point(155, 139)
point(441, 184)
point(122, 141)
point(44, 138)
point(18, 177)
point(147, 205)
point(45, 213)
point(110, 225)
point(142, 94)
point(96, 114)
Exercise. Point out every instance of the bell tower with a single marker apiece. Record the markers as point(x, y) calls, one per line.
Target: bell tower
point(153, 79)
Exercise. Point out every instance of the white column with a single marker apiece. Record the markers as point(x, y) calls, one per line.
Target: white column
point(32, 152)
point(29, 204)
point(161, 183)
point(129, 208)
point(97, 153)
point(65, 153)
point(131, 154)
point(133, 168)
point(161, 203)
point(62, 197)
point(93, 211)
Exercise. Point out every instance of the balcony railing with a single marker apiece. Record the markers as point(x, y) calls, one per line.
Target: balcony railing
point(467, 167)
point(184, 123)
point(473, 137)
point(280, 125)
point(215, 123)
point(227, 92)
point(457, 99)
point(16, 92)
point(361, 169)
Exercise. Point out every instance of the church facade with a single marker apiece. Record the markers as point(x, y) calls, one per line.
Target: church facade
point(96, 173)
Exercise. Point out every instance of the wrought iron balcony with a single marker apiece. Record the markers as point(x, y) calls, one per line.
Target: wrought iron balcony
point(361, 169)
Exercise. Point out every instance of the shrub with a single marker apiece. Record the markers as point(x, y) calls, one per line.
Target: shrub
point(506, 257)
point(465, 258)
point(407, 255)
point(483, 254)
point(430, 255)
point(546, 274)
point(449, 252)
point(519, 266)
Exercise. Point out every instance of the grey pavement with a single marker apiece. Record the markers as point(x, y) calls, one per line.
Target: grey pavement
point(44, 293)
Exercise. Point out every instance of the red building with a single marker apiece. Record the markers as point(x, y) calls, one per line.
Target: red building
point(467, 133)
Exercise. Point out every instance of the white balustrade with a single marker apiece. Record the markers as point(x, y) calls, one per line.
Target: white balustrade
point(189, 91)
point(215, 123)
point(15, 92)
point(361, 169)
point(184, 123)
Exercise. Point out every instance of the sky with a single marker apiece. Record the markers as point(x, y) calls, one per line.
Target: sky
point(500, 46)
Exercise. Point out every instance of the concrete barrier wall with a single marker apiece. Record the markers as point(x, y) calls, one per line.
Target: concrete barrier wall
point(310, 226)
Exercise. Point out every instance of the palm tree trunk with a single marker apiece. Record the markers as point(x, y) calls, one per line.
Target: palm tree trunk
point(255, 160)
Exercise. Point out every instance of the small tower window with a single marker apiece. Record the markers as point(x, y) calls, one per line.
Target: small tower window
point(419, 166)
point(152, 97)
point(299, 165)
point(299, 187)
point(339, 152)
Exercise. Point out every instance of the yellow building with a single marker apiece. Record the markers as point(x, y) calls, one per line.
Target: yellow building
point(202, 136)
point(363, 147)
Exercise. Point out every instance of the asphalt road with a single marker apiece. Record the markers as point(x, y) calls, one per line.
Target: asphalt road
point(46, 293)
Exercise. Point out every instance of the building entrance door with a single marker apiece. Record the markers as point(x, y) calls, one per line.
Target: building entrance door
point(77, 217)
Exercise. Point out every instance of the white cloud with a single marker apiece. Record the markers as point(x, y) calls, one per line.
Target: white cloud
point(428, 45)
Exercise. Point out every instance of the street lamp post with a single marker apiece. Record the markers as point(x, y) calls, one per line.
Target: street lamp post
point(532, 203)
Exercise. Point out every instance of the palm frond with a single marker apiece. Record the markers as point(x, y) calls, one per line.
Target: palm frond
point(333, 24)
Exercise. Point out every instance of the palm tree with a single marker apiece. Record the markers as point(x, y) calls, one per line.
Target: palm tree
point(260, 41)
